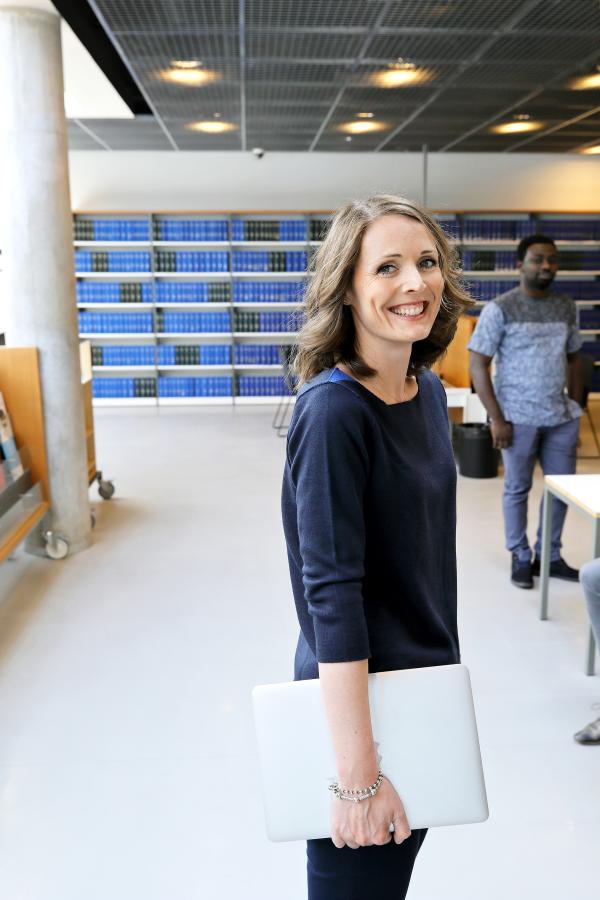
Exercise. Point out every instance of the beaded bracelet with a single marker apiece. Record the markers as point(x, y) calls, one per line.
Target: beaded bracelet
point(360, 794)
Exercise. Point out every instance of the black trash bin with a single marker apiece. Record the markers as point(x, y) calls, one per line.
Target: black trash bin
point(477, 457)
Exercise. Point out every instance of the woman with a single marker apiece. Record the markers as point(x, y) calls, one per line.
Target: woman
point(369, 511)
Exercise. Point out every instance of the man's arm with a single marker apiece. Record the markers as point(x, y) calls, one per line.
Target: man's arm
point(575, 377)
point(482, 382)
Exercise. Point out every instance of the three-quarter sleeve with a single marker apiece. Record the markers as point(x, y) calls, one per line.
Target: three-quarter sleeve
point(329, 464)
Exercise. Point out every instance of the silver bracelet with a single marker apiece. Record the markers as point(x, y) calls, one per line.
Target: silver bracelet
point(360, 794)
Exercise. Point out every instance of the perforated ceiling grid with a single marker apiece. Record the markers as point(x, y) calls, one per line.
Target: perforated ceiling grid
point(290, 73)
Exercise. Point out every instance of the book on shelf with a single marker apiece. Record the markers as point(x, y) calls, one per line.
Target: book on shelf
point(8, 447)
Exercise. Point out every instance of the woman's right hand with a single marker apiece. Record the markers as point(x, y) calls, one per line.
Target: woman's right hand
point(366, 823)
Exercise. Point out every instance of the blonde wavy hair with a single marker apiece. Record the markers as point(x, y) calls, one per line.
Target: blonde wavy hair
point(328, 335)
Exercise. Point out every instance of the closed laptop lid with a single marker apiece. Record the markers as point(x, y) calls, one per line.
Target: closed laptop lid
point(426, 735)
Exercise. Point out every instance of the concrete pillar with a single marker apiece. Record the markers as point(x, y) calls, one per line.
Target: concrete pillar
point(36, 236)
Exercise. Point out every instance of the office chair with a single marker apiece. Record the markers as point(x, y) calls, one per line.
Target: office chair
point(587, 367)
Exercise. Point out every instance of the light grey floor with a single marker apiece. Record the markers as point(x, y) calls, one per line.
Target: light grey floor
point(127, 767)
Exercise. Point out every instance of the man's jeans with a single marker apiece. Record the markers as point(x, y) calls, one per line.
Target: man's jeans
point(555, 447)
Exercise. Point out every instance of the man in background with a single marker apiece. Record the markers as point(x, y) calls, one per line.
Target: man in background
point(532, 334)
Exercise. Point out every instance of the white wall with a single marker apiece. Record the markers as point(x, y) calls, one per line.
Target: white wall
point(321, 181)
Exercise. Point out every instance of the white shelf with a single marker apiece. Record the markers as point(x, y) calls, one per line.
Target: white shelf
point(222, 335)
point(269, 243)
point(493, 273)
point(188, 244)
point(192, 276)
point(513, 273)
point(577, 302)
point(201, 307)
point(112, 244)
point(253, 335)
point(258, 368)
point(589, 331)
point(511, 243)
point(226, 367)
point(190, 401)
point(124, 401)
point(269, 304)
point(119, 336)
point(115, 276)
point(123, 369)
point(266, 275)
point(262, 401)
point(195, 401)
point(114, 306)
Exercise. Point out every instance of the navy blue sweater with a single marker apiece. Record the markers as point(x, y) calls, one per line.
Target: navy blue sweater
point(369, 515)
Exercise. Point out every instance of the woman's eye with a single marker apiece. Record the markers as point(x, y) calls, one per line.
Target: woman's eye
point(428, 263)
point(386, 269)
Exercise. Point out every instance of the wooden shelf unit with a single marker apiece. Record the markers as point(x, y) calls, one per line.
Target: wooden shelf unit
point(20, 386)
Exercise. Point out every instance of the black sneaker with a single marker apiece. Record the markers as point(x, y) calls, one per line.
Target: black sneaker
point(520, 573)
point(558, 569)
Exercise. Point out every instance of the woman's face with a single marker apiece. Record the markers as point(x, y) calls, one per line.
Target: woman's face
point(397, 284)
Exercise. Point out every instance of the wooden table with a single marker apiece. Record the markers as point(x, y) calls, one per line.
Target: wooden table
point(583, 493)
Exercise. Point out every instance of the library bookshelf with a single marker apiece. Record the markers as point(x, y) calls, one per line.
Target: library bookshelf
point(199, 308)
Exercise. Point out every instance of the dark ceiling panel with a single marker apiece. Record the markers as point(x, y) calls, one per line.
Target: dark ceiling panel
point(298, 45)
point(291, 14)
point(445, 14)
point(565, 15)
point(523, 74)
point(288, 73)
point(125, 17)
point(430, 48)
point(552, 49)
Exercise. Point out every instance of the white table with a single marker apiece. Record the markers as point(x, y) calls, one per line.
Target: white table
point(464, 398)
point(583, 493)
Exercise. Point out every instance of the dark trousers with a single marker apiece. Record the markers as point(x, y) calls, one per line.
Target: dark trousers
point(369, 873)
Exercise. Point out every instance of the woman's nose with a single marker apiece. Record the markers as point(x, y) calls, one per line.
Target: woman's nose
point(411, 279)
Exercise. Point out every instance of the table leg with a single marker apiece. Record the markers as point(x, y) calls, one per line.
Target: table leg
point(591, 651)
point(590, 668)
point(545, 560)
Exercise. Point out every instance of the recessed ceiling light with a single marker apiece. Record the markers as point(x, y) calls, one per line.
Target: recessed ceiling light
point(522, 117)
point(364, 115)
point(186, 63)
point(190, 73)
point(362, 126)
point(587, 82)
point(591, 151)
point(211, 127)
point(217, 115)
point(517, 127)
point(348, 138)
point(401, 63)
point(400, 74)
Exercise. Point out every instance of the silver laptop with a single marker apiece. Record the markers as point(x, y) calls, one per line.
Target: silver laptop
point(425, 730)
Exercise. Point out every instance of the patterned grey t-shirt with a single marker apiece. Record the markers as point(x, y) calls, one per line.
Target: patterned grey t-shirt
point(530, 338)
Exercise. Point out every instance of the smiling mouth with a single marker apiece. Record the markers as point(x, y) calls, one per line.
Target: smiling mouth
point(409, 310)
